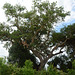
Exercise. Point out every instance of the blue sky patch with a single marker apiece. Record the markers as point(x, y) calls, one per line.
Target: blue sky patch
point(61, 25)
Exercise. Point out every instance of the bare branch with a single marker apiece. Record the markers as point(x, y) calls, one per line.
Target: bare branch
point(58, 53)
point(59, 45)
point(36, 34)
point(51, 53)
point(25, 43)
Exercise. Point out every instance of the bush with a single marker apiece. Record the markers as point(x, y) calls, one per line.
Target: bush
point(27, 69)
point(14, 70)
point(53, 71)
point(72, 71)
point(4, 69)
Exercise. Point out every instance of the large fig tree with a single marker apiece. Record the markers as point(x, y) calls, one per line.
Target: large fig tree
point(33, 29)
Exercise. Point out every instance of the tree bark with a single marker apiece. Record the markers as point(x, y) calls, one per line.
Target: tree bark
point(43, 62)
point(41, 65)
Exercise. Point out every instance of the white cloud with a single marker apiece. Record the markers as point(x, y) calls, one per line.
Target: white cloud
point(68, 5)
point(3, 51)
point(26, 3)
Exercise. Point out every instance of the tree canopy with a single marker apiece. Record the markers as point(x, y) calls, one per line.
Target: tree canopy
point(67, 32)
point(33, 29)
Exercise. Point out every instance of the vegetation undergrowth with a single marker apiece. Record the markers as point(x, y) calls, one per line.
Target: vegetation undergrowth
point(27, 69)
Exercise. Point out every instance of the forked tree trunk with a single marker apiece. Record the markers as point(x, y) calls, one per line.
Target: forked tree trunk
point(42, 64)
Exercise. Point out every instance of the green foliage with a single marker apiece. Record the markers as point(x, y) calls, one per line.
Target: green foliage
point(63, 63)
point(66, 33)
point(73, 64)
point(27, 69)
point(72, 71)
point(28, 22)
point(4, 69)
point(27, 27)
point(57, 37)
point(53, 71)
point(19, 54)
point(9, 69)
point(28, 64)
point(14, 70)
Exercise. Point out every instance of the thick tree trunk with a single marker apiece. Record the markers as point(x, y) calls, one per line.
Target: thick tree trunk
point(42, 64)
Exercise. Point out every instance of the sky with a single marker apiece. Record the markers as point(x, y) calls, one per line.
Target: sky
point(69, 5)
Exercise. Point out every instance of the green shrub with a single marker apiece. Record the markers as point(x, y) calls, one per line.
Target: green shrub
point(73, 64)
point(53, 71)
point(27, 69)
point(72, 71)
point(4, 69)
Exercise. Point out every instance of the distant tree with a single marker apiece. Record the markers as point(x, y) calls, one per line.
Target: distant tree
point(67, 32)
point(33, 29)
